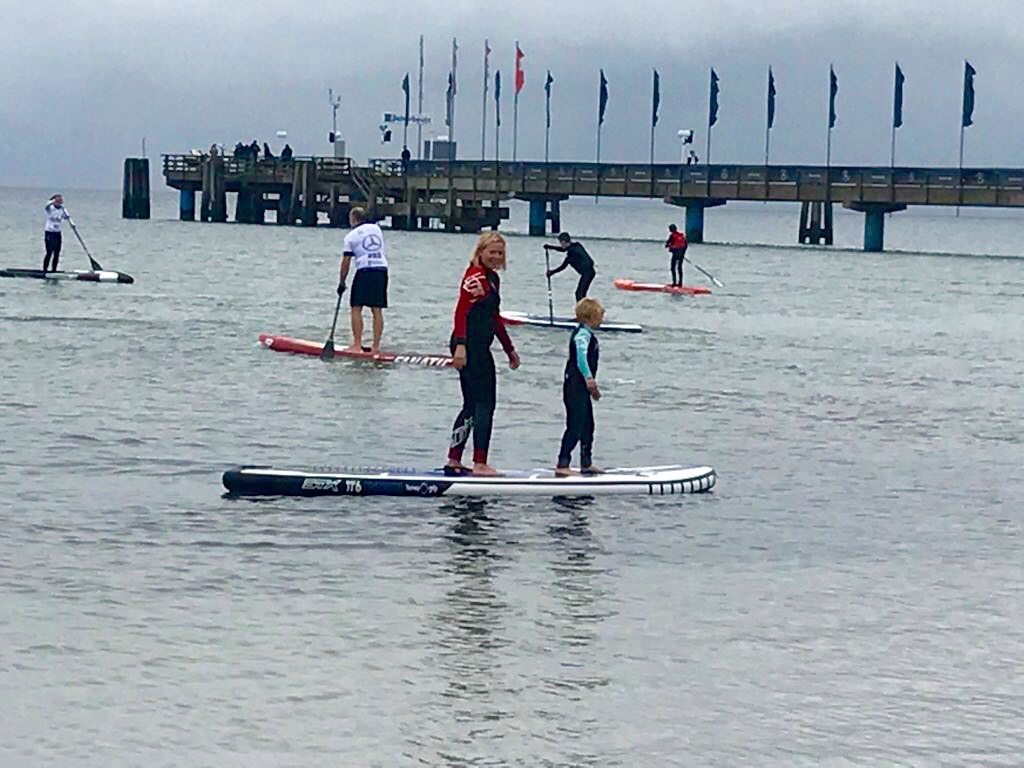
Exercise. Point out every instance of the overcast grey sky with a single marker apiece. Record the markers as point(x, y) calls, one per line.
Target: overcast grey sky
point(84, 81)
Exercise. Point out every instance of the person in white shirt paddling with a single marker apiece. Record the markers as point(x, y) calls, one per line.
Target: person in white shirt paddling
point(55, 214)
point(365, 244)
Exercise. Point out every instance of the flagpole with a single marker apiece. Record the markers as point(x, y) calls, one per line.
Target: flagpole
point(483, 118)
point(655, 96)
point(892, 152)
point(767, 140)
point(405, 128)
point(547, 120)
point(451, 130)
point(547, 136)
point(497, 148)
point(960, 174)
point(602, 101)
point(515, 124)
point(419, 125)
point(654, 112)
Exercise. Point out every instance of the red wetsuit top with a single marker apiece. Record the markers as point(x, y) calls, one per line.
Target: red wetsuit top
point(477, 315)
point(676, 241)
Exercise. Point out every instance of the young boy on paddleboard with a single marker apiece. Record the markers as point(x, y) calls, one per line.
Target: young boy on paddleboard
point(579, 389)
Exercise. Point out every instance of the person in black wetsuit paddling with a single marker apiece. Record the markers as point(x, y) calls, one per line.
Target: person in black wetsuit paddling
point(477, 322)
point(576, 256)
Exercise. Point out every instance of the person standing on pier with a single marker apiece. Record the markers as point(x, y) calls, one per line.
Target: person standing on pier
point(365, 244)
point(576, 256)
point(55, 214)
point(677, 246)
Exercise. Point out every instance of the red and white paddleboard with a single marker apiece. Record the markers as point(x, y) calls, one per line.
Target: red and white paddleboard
point(304, 347)
point(680, 290)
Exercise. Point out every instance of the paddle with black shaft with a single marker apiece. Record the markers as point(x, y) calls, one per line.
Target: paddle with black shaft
point(95, 265)
point(327, 353)
point(711, 277)
point(547, 273)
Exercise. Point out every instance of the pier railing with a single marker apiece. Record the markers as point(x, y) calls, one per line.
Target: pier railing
point(839, 184)
point(272, 170)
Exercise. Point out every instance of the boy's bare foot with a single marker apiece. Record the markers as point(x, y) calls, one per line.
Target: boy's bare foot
point(592, 470)
point(484, 470)
point(564, 472)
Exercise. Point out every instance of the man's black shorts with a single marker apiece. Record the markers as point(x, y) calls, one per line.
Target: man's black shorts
point(369, 288)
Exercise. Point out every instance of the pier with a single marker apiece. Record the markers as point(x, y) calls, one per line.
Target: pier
point(469, 196)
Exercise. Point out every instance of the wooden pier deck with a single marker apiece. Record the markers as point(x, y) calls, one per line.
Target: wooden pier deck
point(472, 195)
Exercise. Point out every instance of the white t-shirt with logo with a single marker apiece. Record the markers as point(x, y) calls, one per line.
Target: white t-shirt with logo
point(54, 216)
point(366, 245)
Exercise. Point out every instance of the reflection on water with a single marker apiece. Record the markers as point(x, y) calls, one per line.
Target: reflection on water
point(579, 584)
point(471, 633)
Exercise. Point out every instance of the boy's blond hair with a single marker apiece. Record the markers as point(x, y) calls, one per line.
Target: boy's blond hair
point(589, 311)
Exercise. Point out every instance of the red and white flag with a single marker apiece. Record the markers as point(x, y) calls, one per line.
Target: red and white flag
point(520, 75)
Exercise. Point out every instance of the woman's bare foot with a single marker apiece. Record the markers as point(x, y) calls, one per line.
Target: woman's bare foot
point(564, 472)
point(484, 470)
point(592, 470)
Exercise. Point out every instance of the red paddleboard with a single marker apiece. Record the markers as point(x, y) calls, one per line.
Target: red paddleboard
point(680, 290)
point(303, 347)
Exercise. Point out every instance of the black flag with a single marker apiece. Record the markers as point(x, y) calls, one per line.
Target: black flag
point(405, 89)
point(547, 91)
point(968, 113)
point(448, 100)
point(833, 89)
point(897, 99)
point(603, 101)
point(771, 98)
point(656, 99)
point(713, 100)
point(497, 97)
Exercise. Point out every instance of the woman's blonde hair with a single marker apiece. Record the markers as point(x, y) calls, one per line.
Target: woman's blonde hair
point(486, 239)
point(589, 311)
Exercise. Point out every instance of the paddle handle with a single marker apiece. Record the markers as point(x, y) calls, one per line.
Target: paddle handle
point(334, 323)
point(551, 304)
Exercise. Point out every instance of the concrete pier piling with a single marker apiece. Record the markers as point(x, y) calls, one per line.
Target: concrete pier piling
point(135, 189)
point(815, 223)
point(874, 223)
point(545, 208)
point(187, 205)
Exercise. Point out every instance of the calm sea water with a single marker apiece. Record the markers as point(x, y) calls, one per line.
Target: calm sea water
point(850, 594)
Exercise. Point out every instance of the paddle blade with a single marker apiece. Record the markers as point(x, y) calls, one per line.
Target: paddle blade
point(327, 353)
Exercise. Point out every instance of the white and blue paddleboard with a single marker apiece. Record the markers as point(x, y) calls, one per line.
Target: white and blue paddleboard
point(400, 481)
point(89, 276)
point(565, 323)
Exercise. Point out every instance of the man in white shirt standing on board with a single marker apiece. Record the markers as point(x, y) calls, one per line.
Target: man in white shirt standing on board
point(365, 244)
point(55, 214)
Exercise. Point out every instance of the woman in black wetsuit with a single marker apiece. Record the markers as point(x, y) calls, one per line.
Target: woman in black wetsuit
point(477, 322)
point(576, 256)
